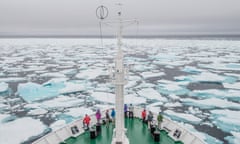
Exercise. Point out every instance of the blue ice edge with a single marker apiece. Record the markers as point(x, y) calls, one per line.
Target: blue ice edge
point(225, 126)
point(31, 91)
point(223, 95)
point(164, 90)
point(66, 117)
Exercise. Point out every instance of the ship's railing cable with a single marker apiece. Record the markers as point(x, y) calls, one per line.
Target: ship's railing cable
point(101, 36)
point(101, 13)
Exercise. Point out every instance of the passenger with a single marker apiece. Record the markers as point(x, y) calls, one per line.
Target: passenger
point(86, 121)
point(125, 110)
point(107, 118)
point(113, 113)
point(98, 116)
point(160, 119)
point(144, 113)
point(150, 118)
point(131, 111)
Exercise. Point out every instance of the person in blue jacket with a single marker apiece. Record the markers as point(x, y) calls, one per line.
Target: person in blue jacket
point(113, 113)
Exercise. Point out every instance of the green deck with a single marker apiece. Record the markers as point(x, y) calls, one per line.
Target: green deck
point(137, 132)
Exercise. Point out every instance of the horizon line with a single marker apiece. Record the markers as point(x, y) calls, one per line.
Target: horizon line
point(126, 36)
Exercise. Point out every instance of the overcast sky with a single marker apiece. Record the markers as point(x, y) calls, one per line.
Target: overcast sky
point(157, 17)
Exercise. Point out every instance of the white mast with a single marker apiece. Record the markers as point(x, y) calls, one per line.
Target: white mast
point(119, 80)
point(118, 75)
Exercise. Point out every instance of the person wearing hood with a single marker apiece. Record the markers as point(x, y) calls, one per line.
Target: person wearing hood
point(98, 116)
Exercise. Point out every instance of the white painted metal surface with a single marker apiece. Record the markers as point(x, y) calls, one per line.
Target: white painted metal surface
point(65, 132)
point(119, 81)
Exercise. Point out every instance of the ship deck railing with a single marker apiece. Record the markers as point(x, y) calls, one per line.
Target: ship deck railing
point(76, 128)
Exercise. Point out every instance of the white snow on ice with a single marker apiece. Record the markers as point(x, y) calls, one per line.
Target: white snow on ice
point(14, 132)
point(61, 102)
point(3, 87)
point(151, 93)
point(232, 86)
point(210, 103)
point(79, 112)
point(57, 125)
point(91, 73)
point(39, 111)
point(227, 120)
point(110, 98)
point(146, 75)
point(183, 117)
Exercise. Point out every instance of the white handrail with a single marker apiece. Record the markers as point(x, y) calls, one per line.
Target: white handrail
point(65, 132)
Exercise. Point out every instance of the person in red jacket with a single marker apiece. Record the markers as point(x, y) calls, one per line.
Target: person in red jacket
point(144, 113)
point(86, 121)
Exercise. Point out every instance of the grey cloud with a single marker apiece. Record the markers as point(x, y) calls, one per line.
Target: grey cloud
point(155, 16)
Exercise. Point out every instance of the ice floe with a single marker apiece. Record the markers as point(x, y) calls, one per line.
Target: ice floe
point(79, 112)
point(71, 87)
point(145, 85)
point(103, 107)
point(3, 87)
point(141, 68)
point(54, 75)
point(55, 80)
point(2, 74)
point(146, 75)
point(110, 98)
point(221, 66)
point(131, 84)
point(210, 103)
point(235, 139)
point(14, 132)
point(57, 124)
point(4, 106)
point(175, 104)
point(3, 116)
point(151, 93)
point(134, 99)
point(69, 71)
point(234, 75)
point(32, 106)
point(193, 70)
point(206, 77)
point(194, 111)
point(204, 137)
point(232, 86)
point(227, 120)
point(33, 91)
point(154, 109)
point(170, 87)
point(12, 79)
point(215, 93)
point(39, 111)
point(91, 73)
point(183, 117)
point(62, 102)
point(104, 97)
point(173, 97)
